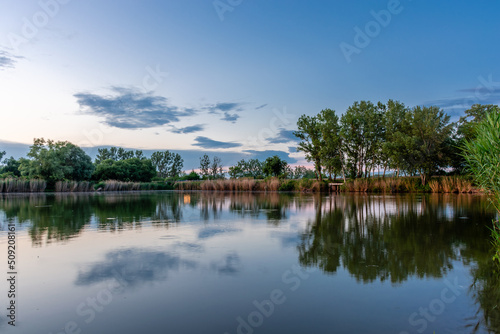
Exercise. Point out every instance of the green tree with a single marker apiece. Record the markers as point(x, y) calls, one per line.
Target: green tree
point(167, 164)
point(216, 168)
point(274, 166)
point(362, 134)
point(128, 170)
point(251, 168)
point(396, 131)
point(54, 161)
point(309, 132)
point(10, 167)
point(331, 152)
point(430, 128)
point(205, 166)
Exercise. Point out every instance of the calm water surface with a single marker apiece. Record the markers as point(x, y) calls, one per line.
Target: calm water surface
point(170, 262)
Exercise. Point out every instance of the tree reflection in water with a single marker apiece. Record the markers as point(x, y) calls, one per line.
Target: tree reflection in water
point(396, 238)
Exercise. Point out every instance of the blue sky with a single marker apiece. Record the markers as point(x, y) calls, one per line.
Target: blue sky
point(231, 77)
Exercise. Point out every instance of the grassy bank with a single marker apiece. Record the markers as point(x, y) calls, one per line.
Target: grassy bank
point(271, 184)
point(12, 185)
point(19, 185)
point(443, 184)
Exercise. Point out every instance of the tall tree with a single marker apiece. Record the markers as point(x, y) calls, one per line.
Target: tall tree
point(54, 161)
point(205, 166)
point(274, 166)
point(361, 128)
point(216, 168)
point(430, 128)
point(330, 152)
point(396, 130)
point(166, 163)
point(309, 132)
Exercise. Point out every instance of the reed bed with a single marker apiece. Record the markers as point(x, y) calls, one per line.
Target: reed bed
point(445, 184)
point(15, 185)
point(74, 186)
point(247, 184)
point(112, 185)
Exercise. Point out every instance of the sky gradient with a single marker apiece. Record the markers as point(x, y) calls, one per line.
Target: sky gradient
point(231, 77)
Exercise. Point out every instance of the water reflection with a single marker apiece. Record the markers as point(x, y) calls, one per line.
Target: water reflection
point(393, 240)
point(373, 238)
point(134, 267)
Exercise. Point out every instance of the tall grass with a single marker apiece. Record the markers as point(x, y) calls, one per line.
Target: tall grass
point(446, 184)
point(74, 186)
point(435, 186)
point(112, 185)
point(483, 157)
point(246, 184)
point(17, 185)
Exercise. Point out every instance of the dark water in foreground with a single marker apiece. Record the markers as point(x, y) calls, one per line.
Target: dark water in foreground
point(170, 262)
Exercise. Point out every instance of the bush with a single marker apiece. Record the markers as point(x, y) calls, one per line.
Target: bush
point(288, 185)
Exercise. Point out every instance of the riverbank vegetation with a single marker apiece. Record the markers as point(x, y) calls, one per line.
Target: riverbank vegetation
point(419, 148)
point(482, 154)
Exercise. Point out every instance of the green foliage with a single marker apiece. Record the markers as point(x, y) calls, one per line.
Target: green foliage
point(274, 166)
point(205, 166)
point(483, 157)
point(211, 169)
point(251, 168)
point(10, 168)
point(309, 132)
point(167, 164)
point(55, 161)
point(288, 185)
point(116, 154)
point(331, 149)
point(429, 129)
point(362, 132)
point(193, 176)
point(301, 172)
point(129, 170)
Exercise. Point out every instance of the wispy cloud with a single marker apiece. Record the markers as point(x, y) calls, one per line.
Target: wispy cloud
point(208, 143)
point(228, 110)
point(488, 93)
point(7, 60)
point(230, 117)
point(283, 136)
point(129, 108)
point(188, 129)
point(263, 155)
point(261, 106)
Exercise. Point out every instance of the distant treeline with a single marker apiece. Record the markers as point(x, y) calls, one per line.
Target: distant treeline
point(367, 140)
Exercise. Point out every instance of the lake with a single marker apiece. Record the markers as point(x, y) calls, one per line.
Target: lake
point(169, 262)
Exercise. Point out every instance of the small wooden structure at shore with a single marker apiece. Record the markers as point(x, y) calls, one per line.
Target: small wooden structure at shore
point(335, 187)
